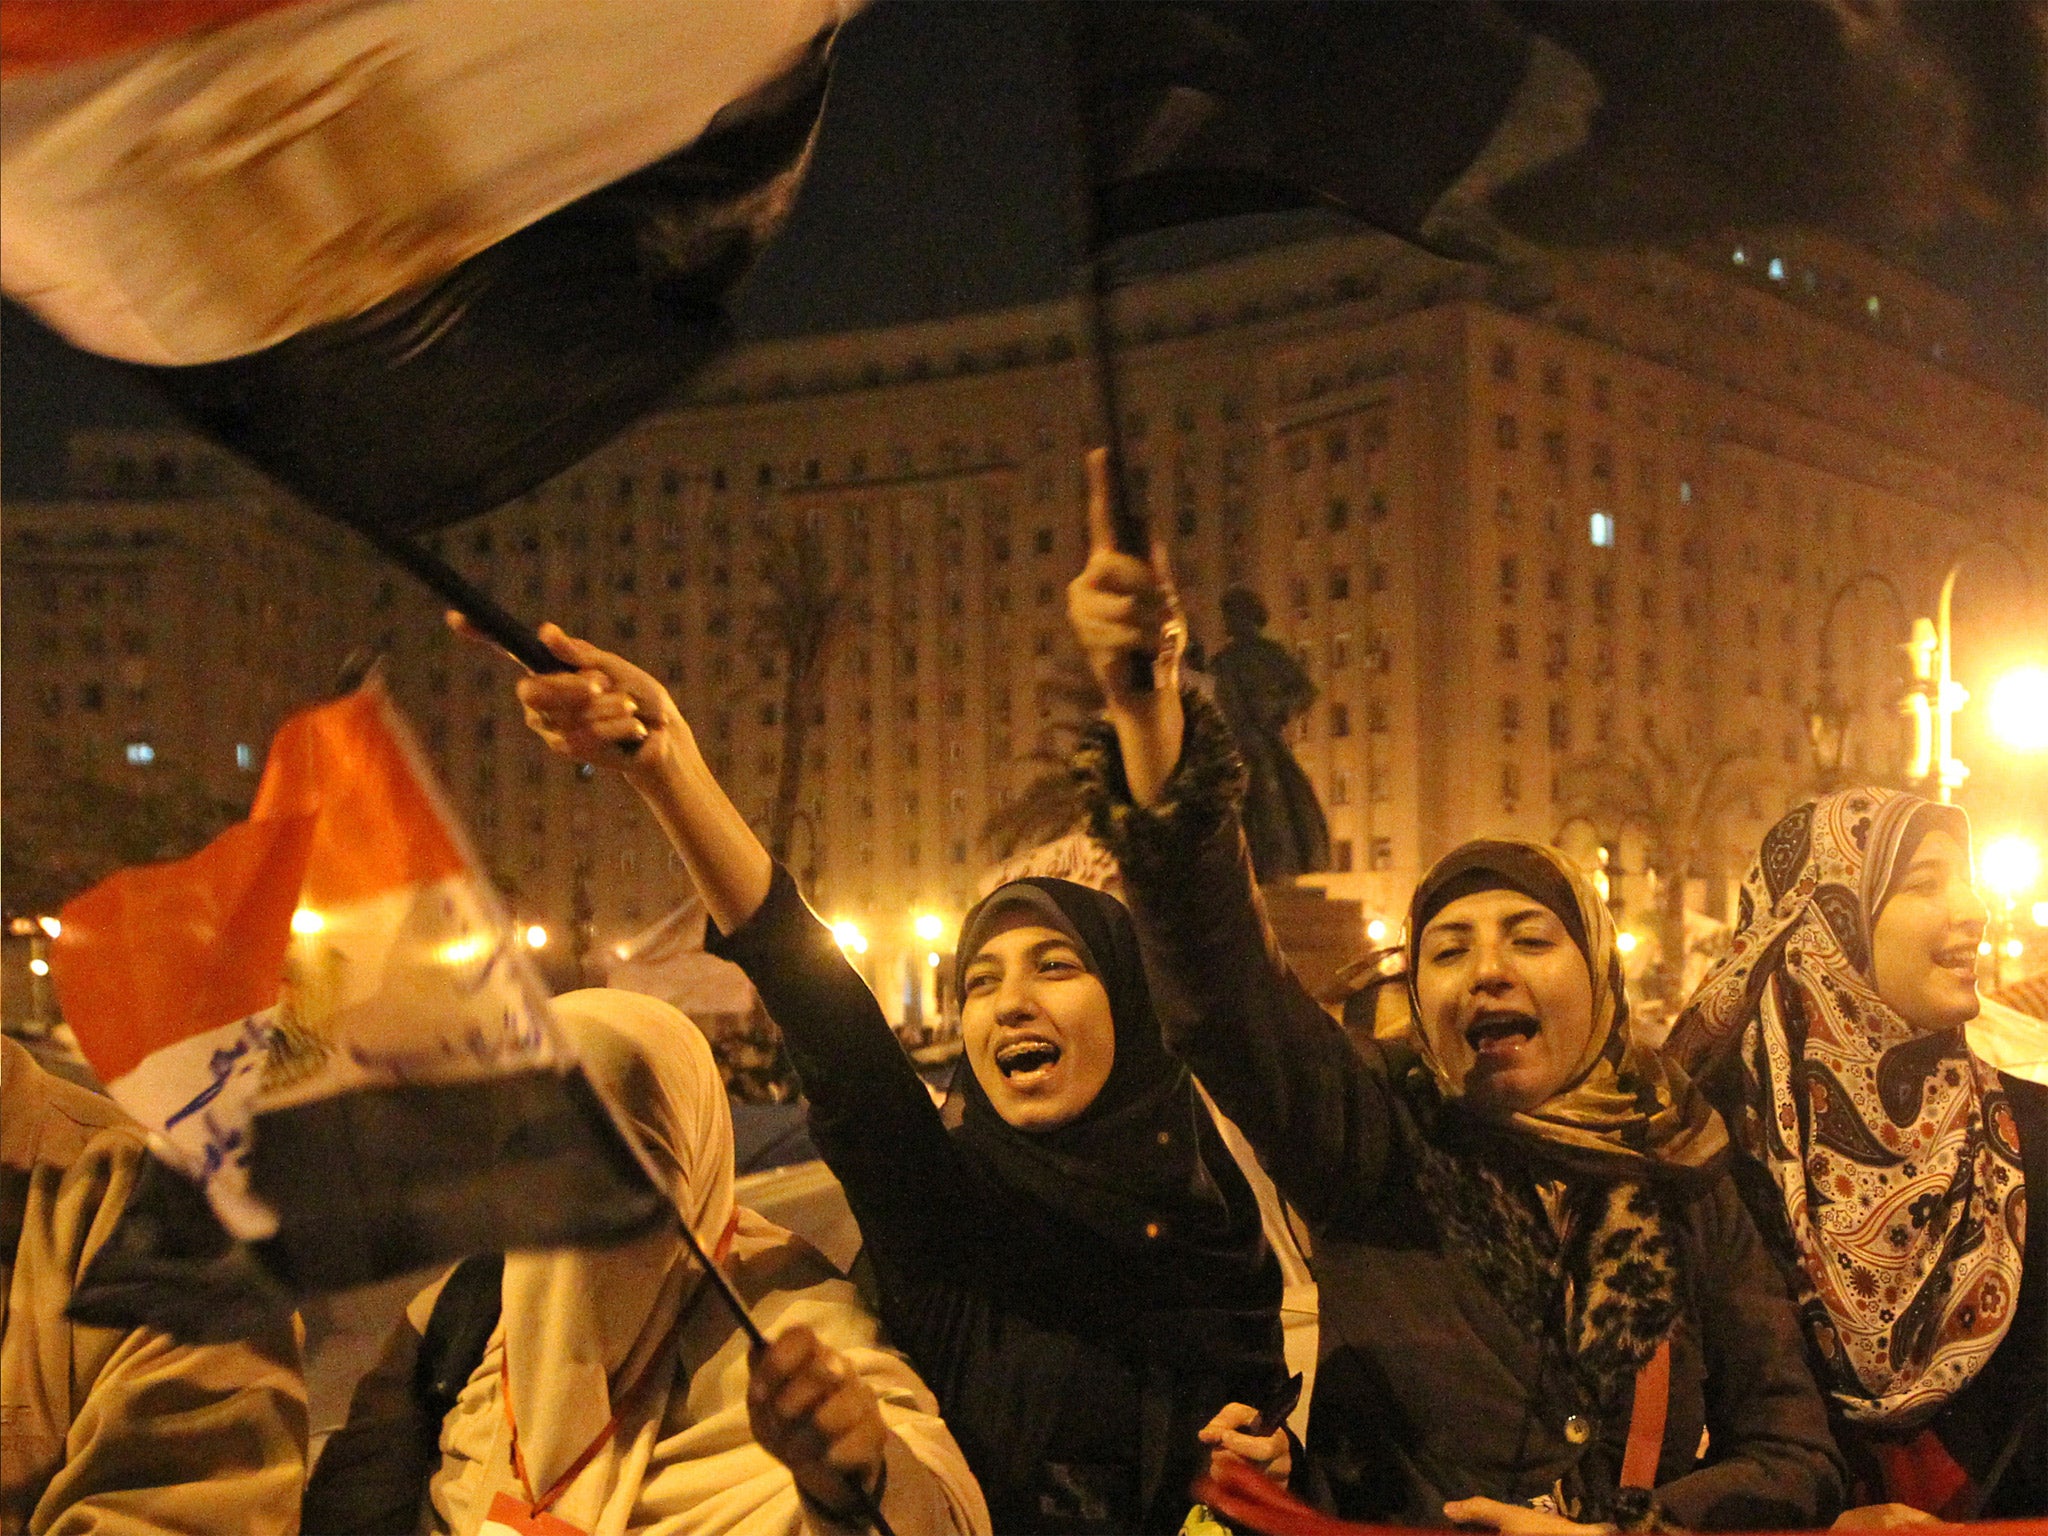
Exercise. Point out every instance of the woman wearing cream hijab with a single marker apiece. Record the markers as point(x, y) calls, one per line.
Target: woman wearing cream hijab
point(633, 1406)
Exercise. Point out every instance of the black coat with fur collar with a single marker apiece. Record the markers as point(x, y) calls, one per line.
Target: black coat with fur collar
point(1445, 1370)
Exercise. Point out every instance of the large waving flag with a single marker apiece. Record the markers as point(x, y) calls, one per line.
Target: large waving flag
point(326, 1022)
point(411, 257)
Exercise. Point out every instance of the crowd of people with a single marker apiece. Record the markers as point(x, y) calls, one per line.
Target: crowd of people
point(1771, 1272)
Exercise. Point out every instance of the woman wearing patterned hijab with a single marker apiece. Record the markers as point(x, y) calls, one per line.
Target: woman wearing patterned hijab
point(1887, 1165)
point(1542, 1303)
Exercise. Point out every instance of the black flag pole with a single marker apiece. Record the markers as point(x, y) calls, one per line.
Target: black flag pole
point(1133, 534)
point(465, 597)
point(484, 612)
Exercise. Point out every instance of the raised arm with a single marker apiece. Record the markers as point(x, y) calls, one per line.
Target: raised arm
point(608, 704)
point(870, 1115)
point(1163, 781)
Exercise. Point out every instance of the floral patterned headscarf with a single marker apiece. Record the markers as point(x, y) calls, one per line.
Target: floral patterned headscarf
point(1895, 1152)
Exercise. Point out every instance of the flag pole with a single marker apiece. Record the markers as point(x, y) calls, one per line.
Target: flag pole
point(870, 1510)
point(482, 610)
point(1133, 536)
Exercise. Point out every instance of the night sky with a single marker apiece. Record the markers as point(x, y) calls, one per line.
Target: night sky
point(942, 185)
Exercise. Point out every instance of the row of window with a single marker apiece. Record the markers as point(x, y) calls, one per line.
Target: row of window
point(1337, 444)
point(1506, 368)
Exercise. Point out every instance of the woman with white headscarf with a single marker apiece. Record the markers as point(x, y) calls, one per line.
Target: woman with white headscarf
point(616, 1394)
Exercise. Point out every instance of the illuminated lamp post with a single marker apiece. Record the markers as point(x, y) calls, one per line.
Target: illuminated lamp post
point(1829, 716)
point(2010, 867)
point(1937, 696)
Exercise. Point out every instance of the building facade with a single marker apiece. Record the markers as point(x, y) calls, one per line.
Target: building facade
point(1513, 521)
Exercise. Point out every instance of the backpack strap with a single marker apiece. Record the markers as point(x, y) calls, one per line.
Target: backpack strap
point(460, 1326)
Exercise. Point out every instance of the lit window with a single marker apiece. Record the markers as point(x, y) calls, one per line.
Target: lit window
point(1871, 307)
point(245, 756)
point(1776, 270)
point(141, 753)
point(1600, 529)
point(1685, 492)
point(1741, 257)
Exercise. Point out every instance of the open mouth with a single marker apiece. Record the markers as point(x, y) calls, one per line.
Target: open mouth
point(1500, 1032)
point(1960, 959)
point(1025, 1057)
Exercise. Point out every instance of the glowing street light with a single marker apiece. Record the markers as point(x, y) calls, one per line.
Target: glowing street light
point(846, 933)
point(460, 951)
point(1376, 931)
point(2011, 867)
point(39, 966)
point(2019, 709)
point(2014, 948)
point(928, 927)
point(306, 922)
point(932, 959)
point(52, 926)
point(2041, 914)
point(1625, 942)
point(536, 936)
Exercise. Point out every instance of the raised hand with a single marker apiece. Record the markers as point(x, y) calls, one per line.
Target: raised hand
point(606, 703)
point(1121, 606)
point(813, 1413)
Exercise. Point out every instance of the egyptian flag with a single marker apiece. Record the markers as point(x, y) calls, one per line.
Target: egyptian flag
point(411, 257)
point(342, 1052)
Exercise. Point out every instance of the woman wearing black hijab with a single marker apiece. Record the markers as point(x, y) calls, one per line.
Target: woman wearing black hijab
point(1078, 1269)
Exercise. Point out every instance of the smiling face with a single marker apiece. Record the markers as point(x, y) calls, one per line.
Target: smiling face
point(1505, 998)
point(1923, 952)
point(1036, 1024)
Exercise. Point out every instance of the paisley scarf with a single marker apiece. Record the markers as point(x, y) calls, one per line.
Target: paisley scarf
point(1894, 1152)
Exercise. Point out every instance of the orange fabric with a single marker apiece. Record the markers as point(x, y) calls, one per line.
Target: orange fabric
point(155, 955)
point(378, 829)
point(1646, 1420)
point(49, 34)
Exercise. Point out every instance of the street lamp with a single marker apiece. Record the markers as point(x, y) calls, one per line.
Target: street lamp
point(2010, 867)
point(1936, 695)
point(1829, 716)
point(2019, 709)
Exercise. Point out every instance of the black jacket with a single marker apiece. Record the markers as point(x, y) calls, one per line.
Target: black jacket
point(1427, 1389)
point(1076, 1411)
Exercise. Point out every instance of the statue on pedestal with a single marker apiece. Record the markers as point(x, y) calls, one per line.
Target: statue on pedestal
point(1260, 688)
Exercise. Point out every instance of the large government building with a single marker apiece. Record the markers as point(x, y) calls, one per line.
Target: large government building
point(1643, 509)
